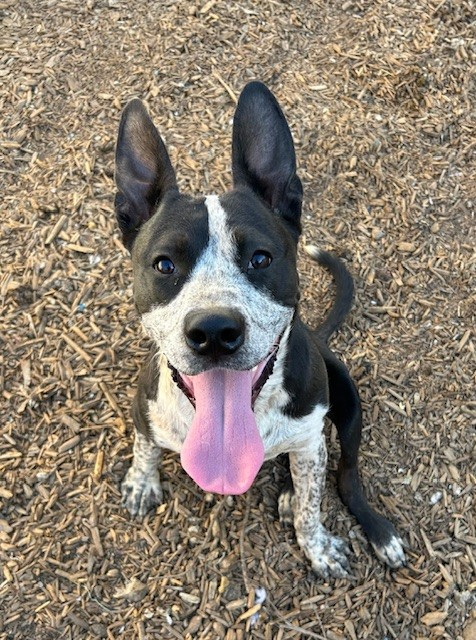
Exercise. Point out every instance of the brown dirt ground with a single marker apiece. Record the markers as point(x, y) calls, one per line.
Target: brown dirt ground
point(380, 97)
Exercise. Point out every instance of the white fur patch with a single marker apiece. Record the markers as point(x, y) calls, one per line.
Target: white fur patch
point(170, 414)
point(392, 553)
point(327, 553)
point(217, 280)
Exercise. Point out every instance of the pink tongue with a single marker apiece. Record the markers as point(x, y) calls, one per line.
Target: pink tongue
point(223, 450)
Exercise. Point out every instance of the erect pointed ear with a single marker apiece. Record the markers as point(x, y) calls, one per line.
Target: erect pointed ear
point(143, 170)
point(263, 155)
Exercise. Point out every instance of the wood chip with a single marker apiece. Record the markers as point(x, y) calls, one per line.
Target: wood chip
point(134, 591)
point(434, 617)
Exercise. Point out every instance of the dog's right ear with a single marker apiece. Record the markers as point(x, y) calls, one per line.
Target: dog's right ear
point(144, 172)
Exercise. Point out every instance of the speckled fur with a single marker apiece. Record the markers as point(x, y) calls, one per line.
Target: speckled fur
point(327, 553)
point(170, 414)
point(141, 488)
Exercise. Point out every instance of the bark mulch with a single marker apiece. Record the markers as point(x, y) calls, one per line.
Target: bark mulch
point(381, 100)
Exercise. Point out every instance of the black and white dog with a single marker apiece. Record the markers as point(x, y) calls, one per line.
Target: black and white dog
point(234, 376)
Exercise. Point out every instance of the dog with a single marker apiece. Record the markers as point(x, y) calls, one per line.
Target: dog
point(234, 376)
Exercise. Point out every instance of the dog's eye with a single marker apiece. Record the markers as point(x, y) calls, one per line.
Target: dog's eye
point(164, 265)
point(260, 260)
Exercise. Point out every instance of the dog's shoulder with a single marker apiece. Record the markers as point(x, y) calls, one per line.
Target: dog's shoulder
point(291, 407)
point(305, 374)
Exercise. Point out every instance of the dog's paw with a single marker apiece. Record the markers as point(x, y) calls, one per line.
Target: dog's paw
point(328, 554)
point(391, 552)
point(140, 492)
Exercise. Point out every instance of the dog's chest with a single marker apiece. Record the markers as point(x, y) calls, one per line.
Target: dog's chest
point(171, 414)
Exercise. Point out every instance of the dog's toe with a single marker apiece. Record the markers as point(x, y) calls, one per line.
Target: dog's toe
point(333, 565)
point(391, 552)
point(140, 493)
point(334, 560)
point(328, 555)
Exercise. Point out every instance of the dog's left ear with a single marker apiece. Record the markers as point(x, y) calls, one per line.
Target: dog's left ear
point(144, 172)
point(263, 156)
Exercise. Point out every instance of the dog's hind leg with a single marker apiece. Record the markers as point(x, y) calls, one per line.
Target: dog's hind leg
point(345, 412)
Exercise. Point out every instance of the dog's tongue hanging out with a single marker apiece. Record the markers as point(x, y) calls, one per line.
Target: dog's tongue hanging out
point(223, 450)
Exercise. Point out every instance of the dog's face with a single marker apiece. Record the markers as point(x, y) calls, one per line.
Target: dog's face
point(215, 279)
point(214, 286)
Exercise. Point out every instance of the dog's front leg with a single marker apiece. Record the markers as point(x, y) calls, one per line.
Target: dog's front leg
point(141, 488)
point(327, 553)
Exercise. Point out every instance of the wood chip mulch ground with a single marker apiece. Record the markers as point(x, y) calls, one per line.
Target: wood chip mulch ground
point(381, 99)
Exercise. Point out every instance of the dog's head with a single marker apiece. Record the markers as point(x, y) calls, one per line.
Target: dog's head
point(215, 279)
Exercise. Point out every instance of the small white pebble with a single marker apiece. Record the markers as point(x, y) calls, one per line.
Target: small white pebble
point(456, 489)
point(94, 259)
point(436, 497)
point(260, 595)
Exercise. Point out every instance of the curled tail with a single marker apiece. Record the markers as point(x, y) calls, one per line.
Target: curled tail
point(344, 293)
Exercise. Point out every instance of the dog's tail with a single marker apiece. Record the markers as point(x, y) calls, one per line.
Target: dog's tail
point(344, 294)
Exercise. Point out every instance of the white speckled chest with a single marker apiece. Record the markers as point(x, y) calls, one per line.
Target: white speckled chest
point(171, 414)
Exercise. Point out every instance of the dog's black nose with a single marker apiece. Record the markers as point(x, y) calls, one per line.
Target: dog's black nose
point(214, 332)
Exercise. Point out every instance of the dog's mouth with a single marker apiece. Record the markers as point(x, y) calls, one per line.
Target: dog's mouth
point(223, 450)
point(261, 372)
